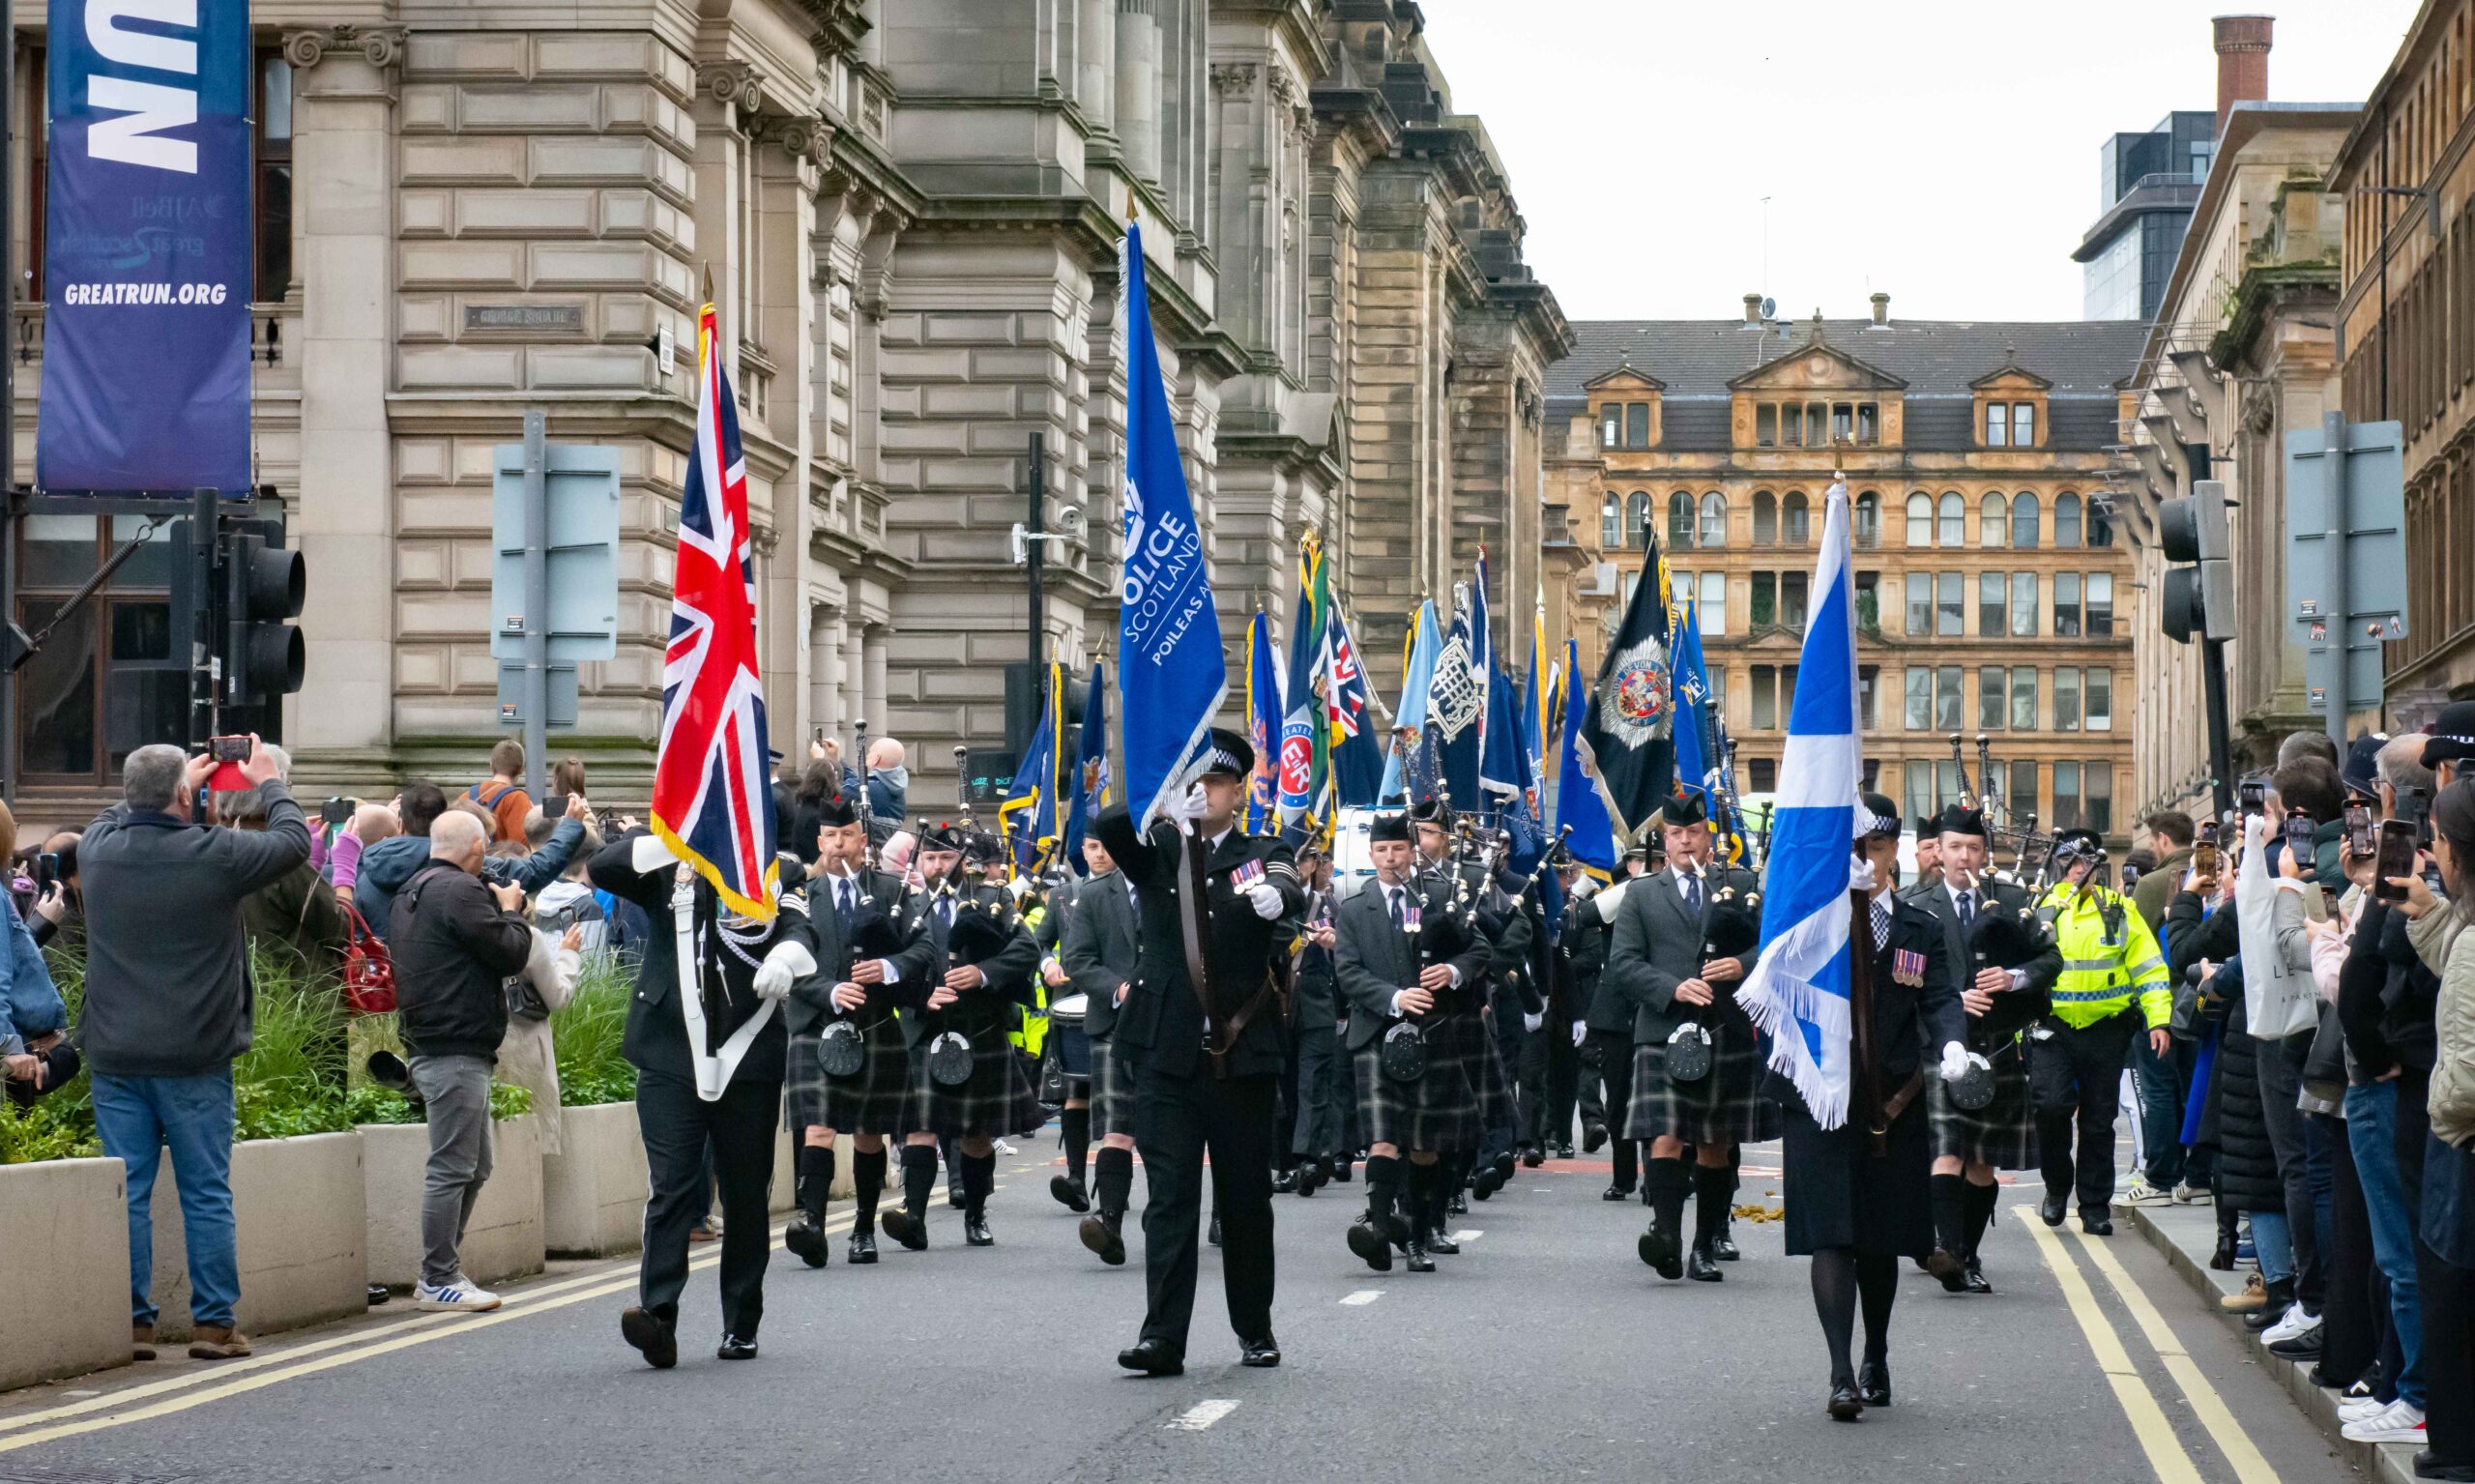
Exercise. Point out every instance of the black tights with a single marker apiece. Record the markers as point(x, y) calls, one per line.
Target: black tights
point(1841, 1276)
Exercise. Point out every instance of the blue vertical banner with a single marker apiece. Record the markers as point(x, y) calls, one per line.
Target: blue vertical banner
point(147, 241)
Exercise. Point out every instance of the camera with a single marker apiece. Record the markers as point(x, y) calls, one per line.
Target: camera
point(337, 810)
point(229, 749)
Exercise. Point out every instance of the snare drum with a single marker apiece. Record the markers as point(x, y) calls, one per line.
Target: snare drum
point(1066, 1026)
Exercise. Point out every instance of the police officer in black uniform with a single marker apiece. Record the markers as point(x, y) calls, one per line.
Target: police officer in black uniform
point(1207, 1055)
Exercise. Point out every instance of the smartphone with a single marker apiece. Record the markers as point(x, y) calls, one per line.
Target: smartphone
point(46, 869)
point(2414, 808)
point(229, 749)
point(555, 807)
point(2359, 831)
point(2299, 831)
point(819, 736)
point(337, 810)
point(2396, 857)
point(2131, 876)
point(2251, 795)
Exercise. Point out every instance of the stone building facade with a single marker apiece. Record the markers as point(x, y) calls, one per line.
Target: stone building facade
point(1990, 591)
point(909, 214)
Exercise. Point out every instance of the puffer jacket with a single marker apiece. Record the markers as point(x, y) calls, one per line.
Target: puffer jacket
point(2247, 1168)
point(2448, 950)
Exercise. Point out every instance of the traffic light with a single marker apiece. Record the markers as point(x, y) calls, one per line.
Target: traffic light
point(2197, 598)
point(264, 586)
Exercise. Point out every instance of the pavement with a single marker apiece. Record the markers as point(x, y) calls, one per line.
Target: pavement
point(1544, 1350)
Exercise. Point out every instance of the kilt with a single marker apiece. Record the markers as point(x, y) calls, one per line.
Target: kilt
point(1726, 1107)
point(1487, 1075)
point(1112, 1090)
point(1839, 1195)
point(868, 1102)
point(1439, 1112)
point(998, 1100)
point(2004, 1133)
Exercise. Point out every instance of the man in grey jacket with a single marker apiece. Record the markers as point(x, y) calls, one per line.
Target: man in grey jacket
point(168, 1009)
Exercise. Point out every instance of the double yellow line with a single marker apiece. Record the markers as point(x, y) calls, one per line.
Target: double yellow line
point(2148, 1421)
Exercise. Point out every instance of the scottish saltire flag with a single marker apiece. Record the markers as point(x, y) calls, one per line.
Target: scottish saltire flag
point(713, 802)
point(1580, 813)
point(1356, 758)
point(1090, 780)
point(1798, 990)
point(1172, 675)
point(1409, 764)
point(1627, 729)
point(1695, 769)
point(1264, 708)
point(1030, 818)
point(1305, 740)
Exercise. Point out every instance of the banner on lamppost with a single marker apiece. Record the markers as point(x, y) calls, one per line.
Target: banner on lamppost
point(146, 248)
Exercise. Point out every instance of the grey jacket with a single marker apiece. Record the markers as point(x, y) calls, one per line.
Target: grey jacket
point(1100, 949)
point(168, 992)
point(1658, 946)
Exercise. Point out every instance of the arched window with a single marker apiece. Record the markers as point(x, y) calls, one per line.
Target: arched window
point(2024, 521)
point(1714, 519)
point(1993, 520)
point(1766, 518)
point(1796, 519)
point(1920, 519)
point(1869, 518)
point(1953, 532)
point(1680, 521)
point(1637, 526)
point(2101, 530)
point(1611, 523)
point(2066, 520)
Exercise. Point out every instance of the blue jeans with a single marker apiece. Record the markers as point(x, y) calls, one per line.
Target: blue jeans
point(2159, 1080)
point(138, 1117)
point(2273, 1243)
point(2372, 1122)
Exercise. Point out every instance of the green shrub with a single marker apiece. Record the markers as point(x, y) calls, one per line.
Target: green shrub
point(588, 1033)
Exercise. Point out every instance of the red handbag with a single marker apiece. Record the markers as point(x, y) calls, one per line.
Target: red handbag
point(370, 972)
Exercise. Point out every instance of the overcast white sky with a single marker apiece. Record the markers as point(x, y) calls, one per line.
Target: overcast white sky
point(1943, 151)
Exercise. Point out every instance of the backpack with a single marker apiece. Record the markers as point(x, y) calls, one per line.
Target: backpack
point(370, 970)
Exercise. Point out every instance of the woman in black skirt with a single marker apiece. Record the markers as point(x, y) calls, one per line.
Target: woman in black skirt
point(1858, 1196)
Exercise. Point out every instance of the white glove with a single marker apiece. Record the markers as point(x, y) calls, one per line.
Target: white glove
point(1584, 889)
point(1187, 808)
point(1860, 875)
point(1581, 1028)
point(1530, 1022)
point(1955, 1061)
point(1019, 888)
point(1265, 897)
point(786, 964)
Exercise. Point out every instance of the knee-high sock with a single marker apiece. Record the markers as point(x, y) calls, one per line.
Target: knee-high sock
point(919, 1178)
point(1113, 1180)
point(979, 1177)
point(1383, 1181)
point(869, 1175)
point(1878, 1286)
point(1834, 1280)
point(1950, 1219)
point(1426, 1198)
point(1980, 1202)
point(1664, 1185)
point(815, 1180)
point(1713, 1193)
point(1074, 1128)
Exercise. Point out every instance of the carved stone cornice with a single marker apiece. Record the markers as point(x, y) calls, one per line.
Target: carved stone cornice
point(378, 45)
point(807, 138)
point(1232, 80)
point(732, 82)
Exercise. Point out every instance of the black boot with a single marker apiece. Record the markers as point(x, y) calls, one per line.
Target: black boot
point(868, 1179)
point(979, 1177)
point(1370, 1236)
point(908, 1223)
point(1074, 1131)
point(1701, 1266)
point(1949, 1199)
point(1714, 1188)
point(1664, 1185)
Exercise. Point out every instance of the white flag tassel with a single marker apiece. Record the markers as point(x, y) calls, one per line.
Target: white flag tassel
point(1799, 990)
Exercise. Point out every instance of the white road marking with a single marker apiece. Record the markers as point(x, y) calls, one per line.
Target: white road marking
point(1364, 1295)
point(1200, 1415)
point(1468, 1234)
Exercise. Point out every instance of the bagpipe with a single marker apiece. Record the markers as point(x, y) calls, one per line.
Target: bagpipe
point(1730, 928)
point(2017, 828)
point(1403, 1054)
point(2003, 937)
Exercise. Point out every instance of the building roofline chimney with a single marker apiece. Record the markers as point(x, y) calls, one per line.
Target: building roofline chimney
point(2242, 44)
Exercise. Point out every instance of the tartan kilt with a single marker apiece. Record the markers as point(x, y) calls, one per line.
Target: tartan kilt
point(1726, 1107)
point(1439, 1112)
point(2004, 1133)
point(868, 1102)
point(1485, 1058)
point(998, 1100)
point(1112, 1090)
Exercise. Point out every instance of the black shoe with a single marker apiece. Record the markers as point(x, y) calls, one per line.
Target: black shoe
point(1213, 1236)
point(2097, 1223)
point(1593, 1137)
point(651, 1335)
point(1845, 1405)
point(1662, 1250)
point(1100, 1234)
point(1070, 1193)
point(1616, 1193)
point(1341, 1173)
point(1972, 1277)
point(2428, 1465)
point(1372, 1246)
point(975, 1233)
point(1458, 1205)
point(804, 1238)
point(1262, 1353)
point(733, 1348)
point(1949, 1269)
point(1310, 1176)
point(1874, 1382)
point(1701, 1267)
point(1533, 1156)
point(861, 1249)
point(1442, 1245)
point(1285, 1182)
point(2267, 1315)
point(1151, 1358)
point(1418, 1261)
point(2223, 1259)
point(1563, 1151)
point(905, 1228)
point(1486, 1182)
point(954, 1194)
point(1724, 1247)
point(2052, 1211)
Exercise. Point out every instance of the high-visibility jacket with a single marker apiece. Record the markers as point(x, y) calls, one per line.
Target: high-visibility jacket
point(1030, 1028)
point(2110, 957)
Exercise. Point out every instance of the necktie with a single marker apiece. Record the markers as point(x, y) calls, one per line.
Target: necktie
point(842, 905)
point(1693, 895)
point(1882, 922)
point(1968, 910)
point(1400, 919)
point(945, 914)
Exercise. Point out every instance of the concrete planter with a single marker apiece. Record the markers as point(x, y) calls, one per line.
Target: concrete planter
point(505, 1238)
point(64, 1226)
point(297, 1204)
point(593, 1195)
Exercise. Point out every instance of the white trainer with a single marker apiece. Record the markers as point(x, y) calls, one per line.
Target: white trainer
point(2142, 1193)
point(2294, 1325)
point(2357, 1410)
point(2398, 1422)
point(459, 1294)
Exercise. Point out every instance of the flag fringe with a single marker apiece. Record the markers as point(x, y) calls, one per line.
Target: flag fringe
point(1781, 1006)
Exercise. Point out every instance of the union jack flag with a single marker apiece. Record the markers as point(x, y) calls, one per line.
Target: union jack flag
point(711, 802)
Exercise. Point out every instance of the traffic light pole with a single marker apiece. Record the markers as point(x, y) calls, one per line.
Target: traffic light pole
point(204, 679)
point(2340, 683)
point(537, 599)
point(2220, 731)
